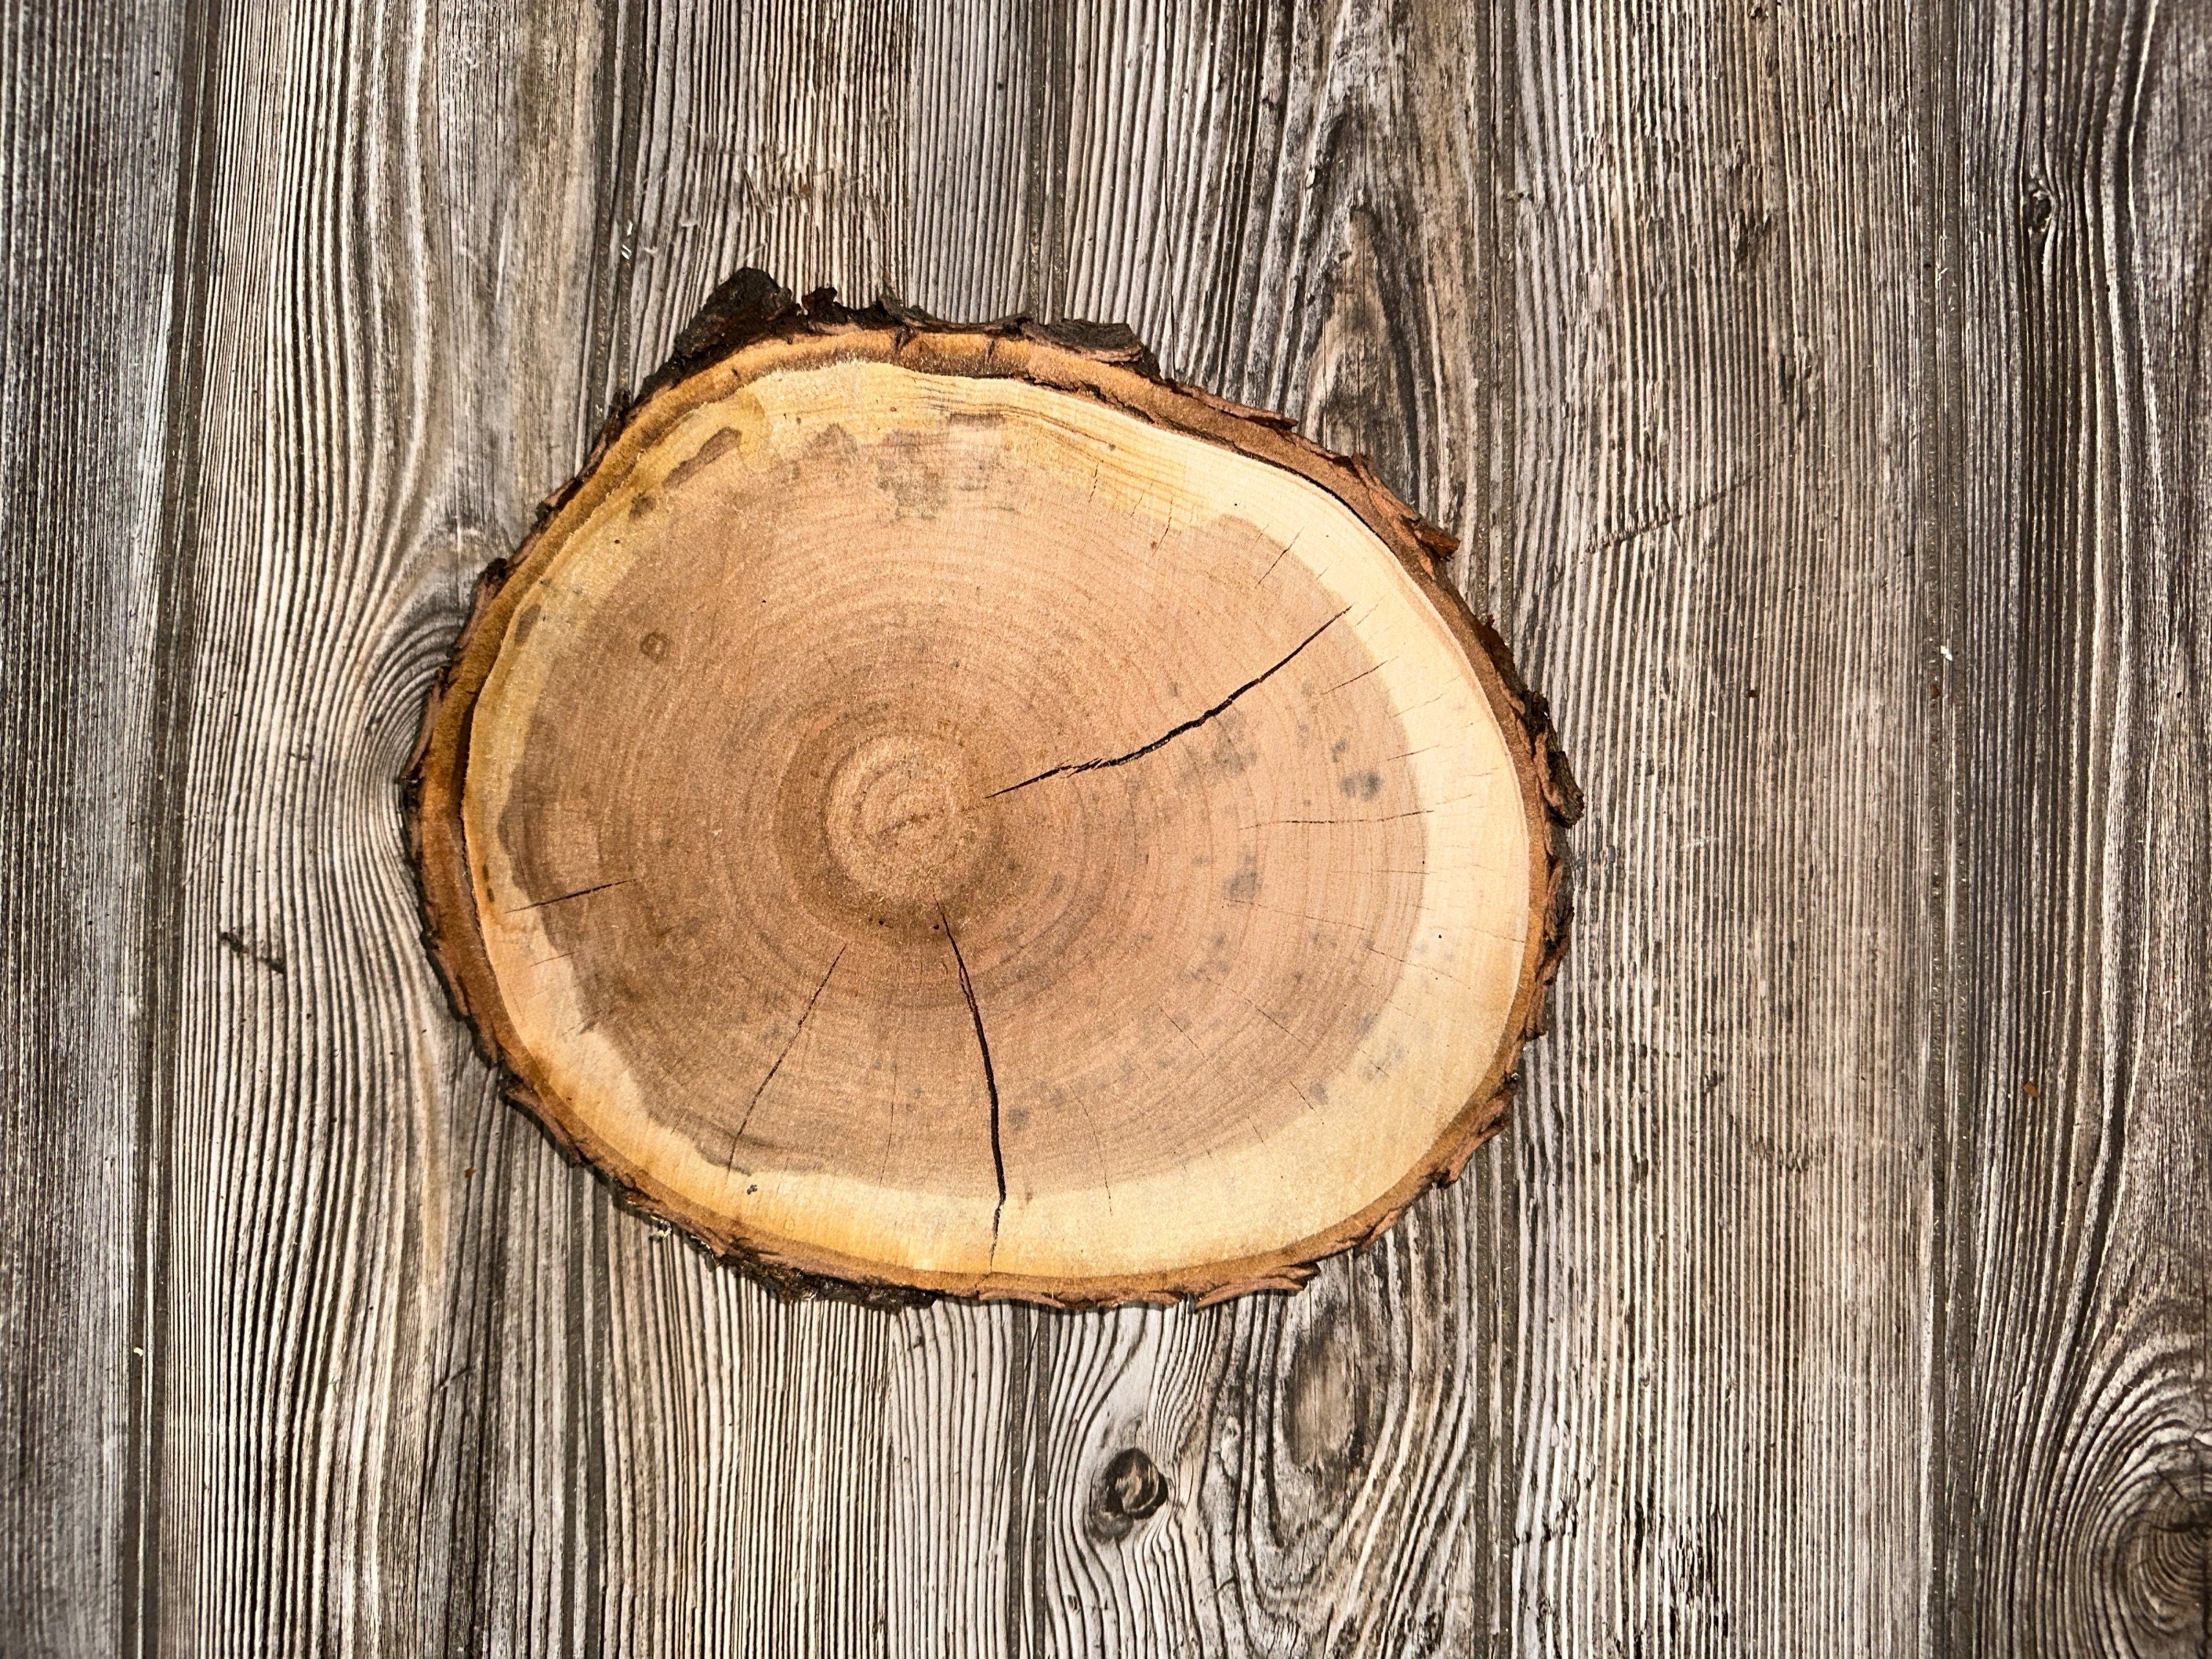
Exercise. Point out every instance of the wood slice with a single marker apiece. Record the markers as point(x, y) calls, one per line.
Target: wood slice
point(943, 808)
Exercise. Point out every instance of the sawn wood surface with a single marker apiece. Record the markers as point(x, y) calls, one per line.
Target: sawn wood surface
point(1818, 392)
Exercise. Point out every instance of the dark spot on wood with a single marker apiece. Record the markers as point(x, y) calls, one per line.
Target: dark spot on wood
point(1361, 785)
point(1364, 375)
point(272, 960)
point(1752, 228)
point(654, 646)
point(1130, 1491)
point(1325, 1427)
point(2161, 1569)
point(717, 446)
point(908, 467)
point(1227, 757)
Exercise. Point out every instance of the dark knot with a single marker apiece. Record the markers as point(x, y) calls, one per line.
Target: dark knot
point(1131, 1491)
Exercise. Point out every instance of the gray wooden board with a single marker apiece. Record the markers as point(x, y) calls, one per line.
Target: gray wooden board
point(1821, 394)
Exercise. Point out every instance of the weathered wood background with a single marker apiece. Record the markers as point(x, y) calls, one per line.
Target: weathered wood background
point(1821, 392)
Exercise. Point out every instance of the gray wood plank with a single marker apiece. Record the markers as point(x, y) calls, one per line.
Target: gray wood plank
point(493, 1539)
point(2074, 1364)
point(1722, 458)
point(88, 132)
point(388, 253)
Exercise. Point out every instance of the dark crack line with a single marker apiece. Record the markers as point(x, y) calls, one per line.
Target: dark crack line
point(1387, 817)
point(1173, 733)
point(990, 1084)
point(1296, 915)
point(1407, 962)
point(789, 1044)
point(1370, 669)
point(1185, 1029)
point(581, 892)
point(1262, 1012)
point(1675, 515)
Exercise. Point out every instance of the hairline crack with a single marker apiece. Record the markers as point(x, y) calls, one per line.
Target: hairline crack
point(789, 1044)
point(580, 892)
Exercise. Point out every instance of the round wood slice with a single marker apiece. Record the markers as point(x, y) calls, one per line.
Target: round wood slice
point(943, 808)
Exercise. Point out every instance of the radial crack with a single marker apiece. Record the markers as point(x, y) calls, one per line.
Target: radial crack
point(581, 892)
point(1175, 731)
point(789, 1044)
point(990, 1081)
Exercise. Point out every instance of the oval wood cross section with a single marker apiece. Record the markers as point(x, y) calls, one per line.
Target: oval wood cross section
point(945, 809)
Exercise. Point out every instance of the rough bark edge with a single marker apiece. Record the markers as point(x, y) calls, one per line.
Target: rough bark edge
point(751, 309)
